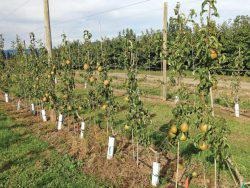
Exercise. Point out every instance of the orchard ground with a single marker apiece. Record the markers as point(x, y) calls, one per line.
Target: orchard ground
point(34, 153)
point(149, 82)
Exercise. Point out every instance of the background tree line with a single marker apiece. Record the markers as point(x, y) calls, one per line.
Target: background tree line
point(234, 35)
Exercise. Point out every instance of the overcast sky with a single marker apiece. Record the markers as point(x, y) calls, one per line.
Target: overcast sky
point(72, 16)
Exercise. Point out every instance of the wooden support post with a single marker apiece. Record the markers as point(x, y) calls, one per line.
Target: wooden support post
point(47, 28)
point(164, 47)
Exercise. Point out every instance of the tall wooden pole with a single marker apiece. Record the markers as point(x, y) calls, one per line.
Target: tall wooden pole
point(164, 47)
point(47, 28)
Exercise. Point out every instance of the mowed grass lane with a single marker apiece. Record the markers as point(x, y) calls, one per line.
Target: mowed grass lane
point(26, 161)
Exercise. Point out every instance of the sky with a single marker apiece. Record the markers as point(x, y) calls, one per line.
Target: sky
point(103, 18)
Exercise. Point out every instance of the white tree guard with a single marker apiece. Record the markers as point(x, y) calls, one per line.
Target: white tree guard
point(60, 122)
point(33, 108)
point(155, 174)
point(18, 107)
point(111, 147)
point(237, 109)
point(43, 112)
point(82, 130)
point(6, 96)
point(176, 99)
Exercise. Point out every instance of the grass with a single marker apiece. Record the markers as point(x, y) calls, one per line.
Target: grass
point(239, 143)
point(27, 161)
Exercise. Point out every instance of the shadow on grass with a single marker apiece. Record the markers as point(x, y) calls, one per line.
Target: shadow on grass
point(9, 140)
point(13, 126)
point(26, 158)
point(3, 118)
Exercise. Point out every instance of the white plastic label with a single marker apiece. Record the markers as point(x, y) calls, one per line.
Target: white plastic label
point(6, 97)
point(60, 121)
point(111, 146)
point(55, 80)
point(155, 174)
point(44, 115)
point(237, 109)
point(85, 85)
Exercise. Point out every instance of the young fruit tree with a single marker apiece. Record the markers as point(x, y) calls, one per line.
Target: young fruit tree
point(5, 68)
point(212, 137)
point(104, 87)
point(178, 132)
point(138, 118)
point(235, 82)
point(66, 99)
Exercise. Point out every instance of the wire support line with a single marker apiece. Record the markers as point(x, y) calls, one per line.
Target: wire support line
point(15, 10)
point(99, 13)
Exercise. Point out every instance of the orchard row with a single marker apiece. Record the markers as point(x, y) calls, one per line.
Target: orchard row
point(51, 85)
